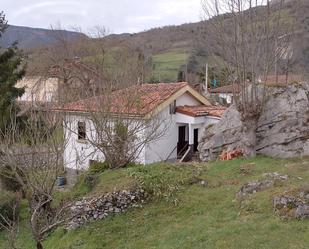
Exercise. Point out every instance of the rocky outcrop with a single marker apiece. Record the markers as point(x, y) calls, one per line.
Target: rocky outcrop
point(276, 176)
point(283, 127)
point(253, 187)
point(97, 208)
point(257, 186)
point(287, 206)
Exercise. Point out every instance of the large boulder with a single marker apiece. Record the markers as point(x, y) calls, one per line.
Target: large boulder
point(283, 127)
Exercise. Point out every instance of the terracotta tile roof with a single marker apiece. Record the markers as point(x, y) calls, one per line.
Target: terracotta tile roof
point(283, 79)
point(270, 81)
point(226, 89)
point(202, 110)
point(76, 63)
point(137, 100)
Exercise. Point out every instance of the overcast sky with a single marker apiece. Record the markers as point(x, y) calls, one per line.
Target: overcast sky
point(116, 15)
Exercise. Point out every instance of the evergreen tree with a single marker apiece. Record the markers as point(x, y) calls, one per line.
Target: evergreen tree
point(12, 69)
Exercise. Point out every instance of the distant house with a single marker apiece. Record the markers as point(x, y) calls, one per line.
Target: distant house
point(283, 79)
point(63, 83)
point(225, 94)
point(185, 110)
point(76, 79)
point(38, 89)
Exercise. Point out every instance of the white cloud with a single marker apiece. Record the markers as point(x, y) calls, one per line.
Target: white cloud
point(117, 15)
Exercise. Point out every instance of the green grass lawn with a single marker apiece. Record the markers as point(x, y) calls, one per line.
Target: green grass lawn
point(204, 217)
point(166, 65)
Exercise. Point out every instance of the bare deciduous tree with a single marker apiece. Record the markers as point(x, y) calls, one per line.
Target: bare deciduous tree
point(250, 36)
point(32, 153)
point(11, 224)
point(88, 63)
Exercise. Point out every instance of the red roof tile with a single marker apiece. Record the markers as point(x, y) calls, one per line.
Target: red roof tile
point(270, 80)
point(198, 111)
point(226, 89)
point(136, 100)
point(283, 79)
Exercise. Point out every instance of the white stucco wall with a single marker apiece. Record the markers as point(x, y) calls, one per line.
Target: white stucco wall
point(160, 149)
point(187, 99)
point(227, 96)
point(38, 89)
point(195, 123)
point(78, 153)
point(165, 147)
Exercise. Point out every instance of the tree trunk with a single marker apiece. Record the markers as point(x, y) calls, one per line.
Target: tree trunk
point(249, 137)
point(39, 245)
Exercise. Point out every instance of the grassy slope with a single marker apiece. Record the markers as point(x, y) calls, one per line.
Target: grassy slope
point(204, 218)
point(166, 65)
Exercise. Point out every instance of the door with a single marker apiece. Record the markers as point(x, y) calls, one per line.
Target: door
point(195, 139)
point(182, 143)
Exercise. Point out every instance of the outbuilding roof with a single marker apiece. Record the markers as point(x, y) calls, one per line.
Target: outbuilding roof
point(226, 89)
point(198, 111)
point(283, 79)
point(271, 80)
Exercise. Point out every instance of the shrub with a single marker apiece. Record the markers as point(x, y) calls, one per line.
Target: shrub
point(6, 203)
point(8, 179)
point(85, 184)
point(132, 164)
point(163, 180)
point(98, 167)
point(90, 180)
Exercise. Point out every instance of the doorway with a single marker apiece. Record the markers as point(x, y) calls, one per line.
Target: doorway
point(182, 144)
point(195, 140)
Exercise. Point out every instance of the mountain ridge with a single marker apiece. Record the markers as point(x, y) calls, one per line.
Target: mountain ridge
point(29, 37)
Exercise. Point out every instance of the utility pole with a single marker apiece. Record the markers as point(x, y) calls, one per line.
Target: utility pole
point(186, 72)
point(206, 78)
point(276, 60)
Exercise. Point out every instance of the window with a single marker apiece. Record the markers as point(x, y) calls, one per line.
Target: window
point(173, 107)
point(81, 129)
point(49, 96)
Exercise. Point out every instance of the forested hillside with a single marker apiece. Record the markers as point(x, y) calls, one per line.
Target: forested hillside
point(179, 52)
point(29, 38)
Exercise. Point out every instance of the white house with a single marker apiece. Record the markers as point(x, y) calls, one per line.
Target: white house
point(176, 104)
point(225, 94)
point(38, 89)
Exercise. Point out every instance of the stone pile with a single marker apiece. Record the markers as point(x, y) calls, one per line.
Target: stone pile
point(283, 127)
point(97, 208)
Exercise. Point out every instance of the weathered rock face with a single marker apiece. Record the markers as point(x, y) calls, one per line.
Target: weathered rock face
point(97, 208)
point(283, 127)
point(257, 186)
point(291, 207)
point(253, 187)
